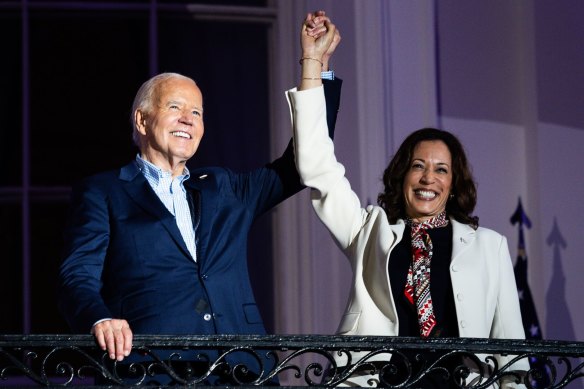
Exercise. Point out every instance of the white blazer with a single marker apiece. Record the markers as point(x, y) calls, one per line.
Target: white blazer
point(485, 293)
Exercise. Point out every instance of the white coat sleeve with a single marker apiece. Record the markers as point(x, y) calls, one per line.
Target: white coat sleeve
point(335, 203)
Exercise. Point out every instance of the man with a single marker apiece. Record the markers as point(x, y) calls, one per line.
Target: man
point(154, 248)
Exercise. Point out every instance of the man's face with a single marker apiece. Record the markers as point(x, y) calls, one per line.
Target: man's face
point(173, 129)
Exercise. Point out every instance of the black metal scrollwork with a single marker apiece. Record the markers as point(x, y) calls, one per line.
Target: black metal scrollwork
point(321, 361)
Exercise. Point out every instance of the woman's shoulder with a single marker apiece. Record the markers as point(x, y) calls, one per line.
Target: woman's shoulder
point(489, 234)
point(479, 232)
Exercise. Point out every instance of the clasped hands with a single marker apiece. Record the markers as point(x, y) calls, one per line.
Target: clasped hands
point(319, 38)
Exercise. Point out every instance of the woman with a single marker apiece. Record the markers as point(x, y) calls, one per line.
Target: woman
point(422, 225)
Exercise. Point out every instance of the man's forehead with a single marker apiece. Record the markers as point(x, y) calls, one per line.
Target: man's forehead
point(180, 93)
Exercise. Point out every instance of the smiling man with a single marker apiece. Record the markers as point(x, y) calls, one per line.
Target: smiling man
point(153, 248)
point(168, 121)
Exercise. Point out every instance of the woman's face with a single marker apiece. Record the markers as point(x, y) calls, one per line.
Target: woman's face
point(428, 181)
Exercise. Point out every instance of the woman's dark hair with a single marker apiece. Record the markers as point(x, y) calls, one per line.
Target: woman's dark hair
point(464, 199)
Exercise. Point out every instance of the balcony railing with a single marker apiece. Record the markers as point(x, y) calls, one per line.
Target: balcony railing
point(293, 361)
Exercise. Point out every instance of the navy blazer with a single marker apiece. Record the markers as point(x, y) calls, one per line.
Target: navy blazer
point(125, 257)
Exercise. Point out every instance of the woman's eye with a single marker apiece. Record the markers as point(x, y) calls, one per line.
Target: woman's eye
point(417, 166)
point(442, 170)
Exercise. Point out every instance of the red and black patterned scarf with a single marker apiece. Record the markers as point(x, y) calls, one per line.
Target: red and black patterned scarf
point(417, 289)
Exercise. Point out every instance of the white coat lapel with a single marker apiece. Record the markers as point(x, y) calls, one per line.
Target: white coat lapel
point(463, 236)
point(385, 284)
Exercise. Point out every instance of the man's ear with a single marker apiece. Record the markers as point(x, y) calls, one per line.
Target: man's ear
point(140, 119)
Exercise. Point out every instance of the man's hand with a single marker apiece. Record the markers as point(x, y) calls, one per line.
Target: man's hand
point(317, 36)
point(115, 336)
point(316, 24)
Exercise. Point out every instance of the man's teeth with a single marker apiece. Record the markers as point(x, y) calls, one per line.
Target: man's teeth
point(426, 194)
point(181, 134)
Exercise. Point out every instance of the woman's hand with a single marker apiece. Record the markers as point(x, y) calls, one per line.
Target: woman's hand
point(317, 36)
point(316, 28)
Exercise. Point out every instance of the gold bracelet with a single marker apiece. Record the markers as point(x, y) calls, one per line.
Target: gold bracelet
point(314, 59)
point(311, 78)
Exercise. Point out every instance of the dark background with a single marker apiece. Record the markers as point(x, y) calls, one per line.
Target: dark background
point(68, 74)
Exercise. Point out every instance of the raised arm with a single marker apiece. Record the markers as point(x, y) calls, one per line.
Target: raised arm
point(284, 166)
point(335, 203)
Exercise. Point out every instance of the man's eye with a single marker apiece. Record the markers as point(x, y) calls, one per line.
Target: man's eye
point(196, 113)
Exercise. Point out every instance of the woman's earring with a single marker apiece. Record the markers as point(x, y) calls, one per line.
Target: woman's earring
point(450, 196)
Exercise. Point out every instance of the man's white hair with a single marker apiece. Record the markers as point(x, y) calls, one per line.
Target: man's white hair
point(144, 100)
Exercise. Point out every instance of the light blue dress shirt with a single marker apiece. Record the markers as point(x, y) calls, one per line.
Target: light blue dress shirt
point(173, 195)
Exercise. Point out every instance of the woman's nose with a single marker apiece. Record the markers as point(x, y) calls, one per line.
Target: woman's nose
point(427, 177)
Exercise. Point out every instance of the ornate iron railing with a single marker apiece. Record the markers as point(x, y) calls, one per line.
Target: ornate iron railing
point(75, 360)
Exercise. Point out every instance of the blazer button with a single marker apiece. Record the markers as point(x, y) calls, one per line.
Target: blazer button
point(460, 296)
point(454, 268)
point(204, 276)
point(463, 324)
point(207, 316)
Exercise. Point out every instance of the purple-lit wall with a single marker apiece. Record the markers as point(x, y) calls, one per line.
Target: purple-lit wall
point(506, 77)
point(512, 85)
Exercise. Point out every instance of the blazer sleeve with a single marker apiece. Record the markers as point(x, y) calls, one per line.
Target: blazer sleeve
point(264, 188)
point(335, 203)
point(86, 243)
point(285, 166)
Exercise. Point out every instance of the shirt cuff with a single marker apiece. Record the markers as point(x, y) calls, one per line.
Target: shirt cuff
point(328, 75)
point(99, 321)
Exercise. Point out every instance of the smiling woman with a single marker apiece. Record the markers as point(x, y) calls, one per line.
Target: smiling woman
point(428, 159)
point(423, 225)
point(428, 181)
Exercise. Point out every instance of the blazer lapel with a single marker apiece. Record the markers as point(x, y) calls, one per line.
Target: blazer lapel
point(204, 194)
point(462, 237)
point(383, 273)
point(139, 190)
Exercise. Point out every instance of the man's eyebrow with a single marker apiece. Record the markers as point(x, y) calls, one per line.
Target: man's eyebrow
point(180, 102)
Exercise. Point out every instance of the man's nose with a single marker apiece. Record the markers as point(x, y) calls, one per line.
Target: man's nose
point(186, 117)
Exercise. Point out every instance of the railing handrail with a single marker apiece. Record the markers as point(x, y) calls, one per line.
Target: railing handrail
point(331, 342)
point(66, 359)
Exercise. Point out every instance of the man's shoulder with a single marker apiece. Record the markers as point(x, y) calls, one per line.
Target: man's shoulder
point(208, 178)
point(215, 173)
point(108, 178)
